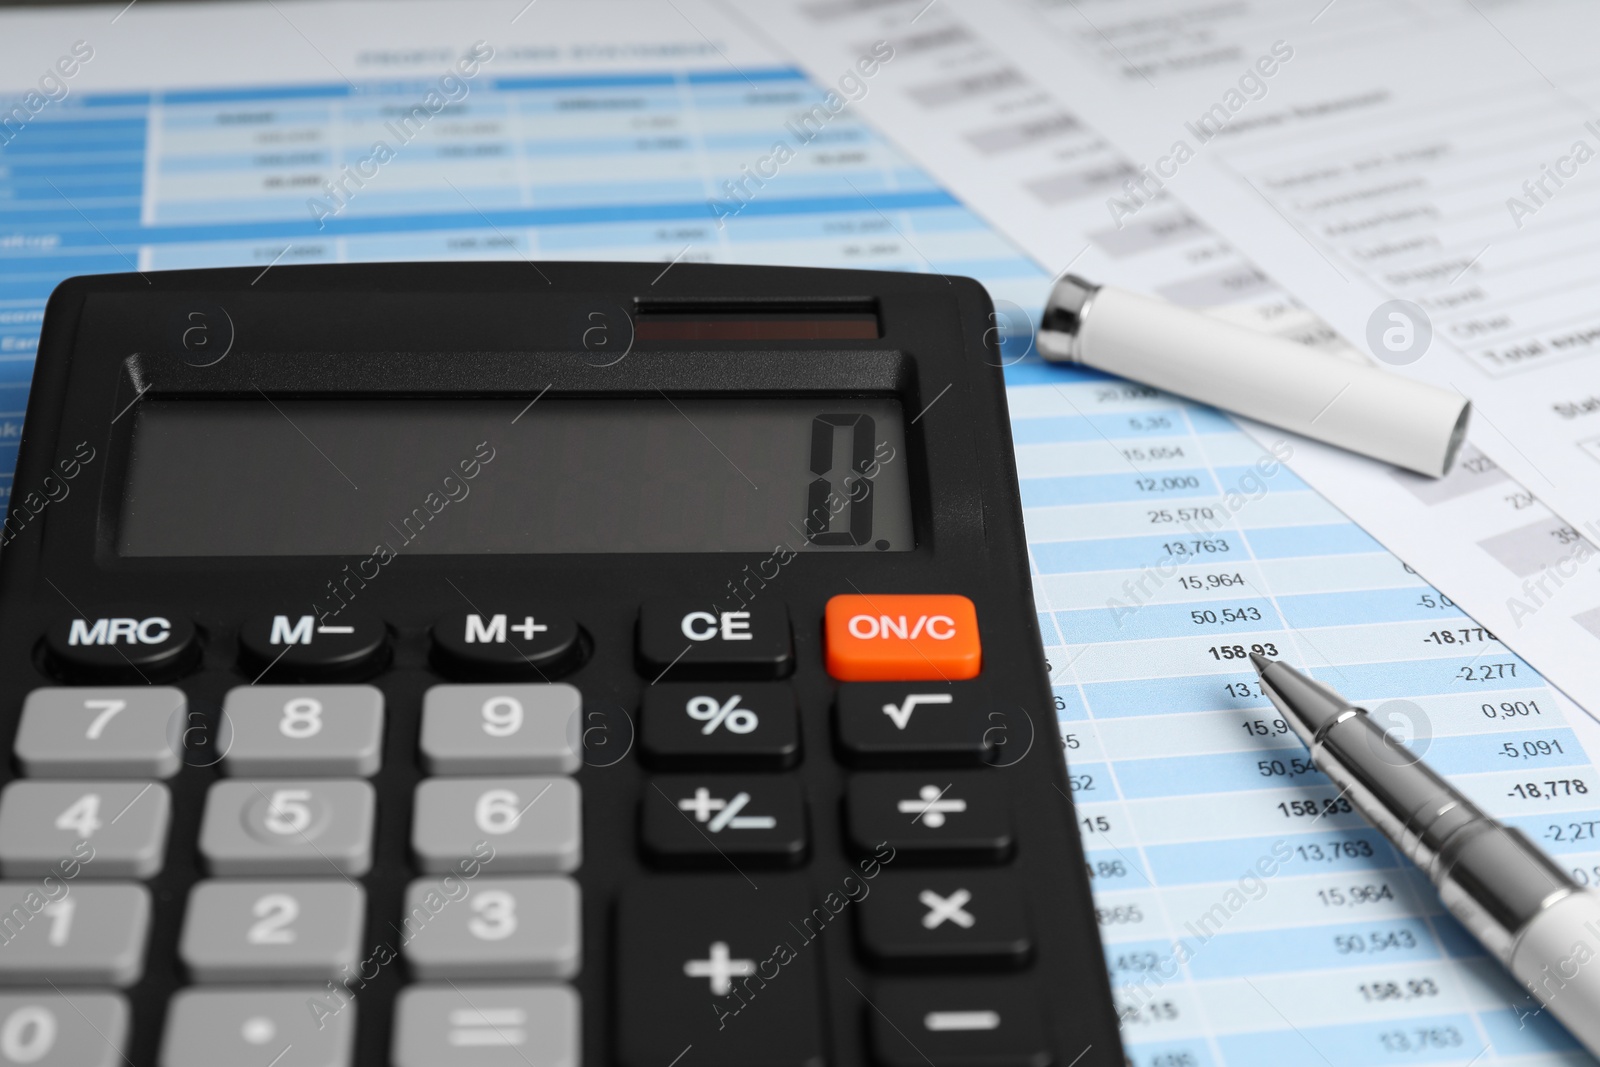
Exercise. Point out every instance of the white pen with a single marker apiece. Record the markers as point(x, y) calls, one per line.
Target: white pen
point(1522, 907)
point(1354, 405)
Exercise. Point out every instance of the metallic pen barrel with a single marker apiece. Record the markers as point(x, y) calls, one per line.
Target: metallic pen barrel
point(1522, 907)
point(1490, 877)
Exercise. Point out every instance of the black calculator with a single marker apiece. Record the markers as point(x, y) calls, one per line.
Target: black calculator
point(530, 665)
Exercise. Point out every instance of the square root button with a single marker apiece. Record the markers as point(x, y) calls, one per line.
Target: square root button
point(902, 638)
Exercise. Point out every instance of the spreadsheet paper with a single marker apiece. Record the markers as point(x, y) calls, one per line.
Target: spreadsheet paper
point(1249, 916)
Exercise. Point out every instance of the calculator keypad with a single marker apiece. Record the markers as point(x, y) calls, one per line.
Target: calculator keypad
point(525, 824)
point(60, 1028)
point(282, 827)
point(333, 730)
point(487, 1026)
point(79, 935)
point(501, 729)
point(493, 926)
point(208, 1027)
point(101, 733)
point(499, 928)
point(277, 931)
point(122, 825)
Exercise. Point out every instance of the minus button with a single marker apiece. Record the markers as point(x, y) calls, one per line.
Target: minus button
point(936, 1021)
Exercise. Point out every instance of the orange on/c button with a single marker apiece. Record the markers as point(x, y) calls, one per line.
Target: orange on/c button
point(902, 638)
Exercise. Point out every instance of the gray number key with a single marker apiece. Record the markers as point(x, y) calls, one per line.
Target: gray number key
point(250, 1027)
point(119, 829)
point(56, 1029)
point(492, 928)
point(501, 729)
point(100, 733)
point(78, 934)
point(486, 1026)
point(271, 931)
point(533, 824)
point(287, 827)
point(303, 730)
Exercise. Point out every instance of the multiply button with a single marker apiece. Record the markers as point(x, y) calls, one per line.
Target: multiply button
point(973, 918)
point(948, 816)
point(135, 645)
point(697, 639)
point(688, 943)
point(704, 820)
point(904, 638)
point(524, 642)
point(301, 647)
point(884, 724)
point(731, 726)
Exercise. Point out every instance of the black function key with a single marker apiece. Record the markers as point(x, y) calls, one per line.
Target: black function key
point(711, 973)
point(131, 645)
point(954, 1023)
point(295, 646)
point(720, 727)
point(696, 639)
point(943, 918)
point(935, 816)
point(915, 724)
point(708, 820)
point(522, 642)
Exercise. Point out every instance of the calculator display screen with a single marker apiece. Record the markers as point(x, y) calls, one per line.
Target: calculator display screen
point(282, 477)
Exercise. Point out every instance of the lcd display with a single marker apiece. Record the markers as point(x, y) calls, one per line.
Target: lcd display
point(280, 477)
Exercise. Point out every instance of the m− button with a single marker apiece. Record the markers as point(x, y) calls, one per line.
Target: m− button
point(523, 642)
point(302, 647)
point(137, 645)
point(698, 639)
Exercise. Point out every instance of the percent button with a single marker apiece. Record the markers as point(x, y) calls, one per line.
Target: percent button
point(707, 726)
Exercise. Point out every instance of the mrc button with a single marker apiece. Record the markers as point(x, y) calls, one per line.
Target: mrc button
point(299, 646)
point(697, 639)
point(902, 638)
point(134, 644)
point(521, 642)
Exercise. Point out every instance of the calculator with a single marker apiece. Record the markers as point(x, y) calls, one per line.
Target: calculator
point(531, 665)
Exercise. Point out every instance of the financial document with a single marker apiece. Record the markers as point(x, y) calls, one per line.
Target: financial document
point(980, 95)
point(1249, 915)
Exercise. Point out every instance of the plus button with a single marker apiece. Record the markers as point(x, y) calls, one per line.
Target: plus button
point(720, 969)
point(527, 628)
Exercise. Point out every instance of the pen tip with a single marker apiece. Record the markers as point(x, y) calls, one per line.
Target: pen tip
point(1261, 662)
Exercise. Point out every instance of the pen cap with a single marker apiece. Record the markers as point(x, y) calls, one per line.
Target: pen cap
point(1353, 405)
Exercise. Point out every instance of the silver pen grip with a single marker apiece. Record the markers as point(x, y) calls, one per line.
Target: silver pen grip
point(1491, 877)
